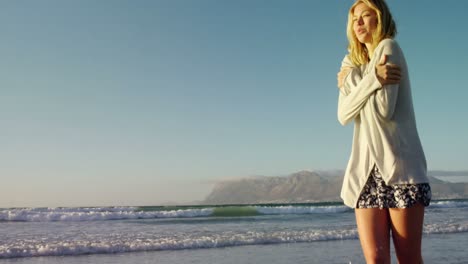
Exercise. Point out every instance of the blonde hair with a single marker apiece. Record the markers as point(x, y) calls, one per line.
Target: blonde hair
point(386, 28)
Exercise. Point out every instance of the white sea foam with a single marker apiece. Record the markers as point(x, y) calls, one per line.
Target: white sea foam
point(446, 228)
point(94, 214)
point(34, 248)
point(147, 242)
point(448, 204)
point(122, 213)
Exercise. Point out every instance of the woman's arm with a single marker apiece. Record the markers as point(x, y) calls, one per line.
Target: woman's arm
point(350, 105)
point(355, 90)
point(386, 97)
point(349, 76)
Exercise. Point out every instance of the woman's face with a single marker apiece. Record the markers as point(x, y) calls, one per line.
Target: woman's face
point(364, 23)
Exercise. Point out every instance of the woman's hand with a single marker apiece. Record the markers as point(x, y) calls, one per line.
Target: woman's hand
point(387, 73)
point(342, 74)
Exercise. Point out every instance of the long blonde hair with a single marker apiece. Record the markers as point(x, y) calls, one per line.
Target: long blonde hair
point(386, 28)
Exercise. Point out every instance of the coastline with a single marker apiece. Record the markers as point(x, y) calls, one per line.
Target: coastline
point(437, 248)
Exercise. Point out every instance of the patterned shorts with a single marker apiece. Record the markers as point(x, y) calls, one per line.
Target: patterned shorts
point(377, 194)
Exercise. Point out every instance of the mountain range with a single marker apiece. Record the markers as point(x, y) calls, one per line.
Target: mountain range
point(310, 186)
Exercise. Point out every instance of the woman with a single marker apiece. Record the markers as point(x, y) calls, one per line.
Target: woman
point(385, 179)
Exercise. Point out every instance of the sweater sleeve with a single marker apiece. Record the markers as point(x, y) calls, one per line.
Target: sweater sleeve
point(353, 78)
point(356, 92)
point(386, 97)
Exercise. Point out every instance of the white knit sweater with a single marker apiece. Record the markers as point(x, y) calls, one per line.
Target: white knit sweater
point(385, 131)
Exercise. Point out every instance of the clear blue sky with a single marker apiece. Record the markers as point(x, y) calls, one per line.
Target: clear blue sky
point(118, 102)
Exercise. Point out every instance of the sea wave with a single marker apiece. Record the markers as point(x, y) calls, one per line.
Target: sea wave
point(122, 213)
point(77, 214)
point(93, 214)
point(146, 242)
point(446, 228)
point(302, 209)
point(449, 204)
point(103, 245)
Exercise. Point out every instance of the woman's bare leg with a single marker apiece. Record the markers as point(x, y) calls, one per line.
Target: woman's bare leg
point(374, 233)
point(407, 225)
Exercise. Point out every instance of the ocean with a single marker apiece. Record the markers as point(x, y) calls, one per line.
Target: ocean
point(261, 233)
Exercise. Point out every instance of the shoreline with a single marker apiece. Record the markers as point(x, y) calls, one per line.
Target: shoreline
point(435, 248)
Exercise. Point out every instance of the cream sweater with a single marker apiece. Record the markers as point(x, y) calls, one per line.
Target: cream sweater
point(385, 131)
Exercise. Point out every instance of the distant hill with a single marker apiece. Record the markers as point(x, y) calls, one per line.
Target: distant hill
point(442, 173)
point(306, 186)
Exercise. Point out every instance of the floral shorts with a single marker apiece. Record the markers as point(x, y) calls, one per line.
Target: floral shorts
point(377, 194)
